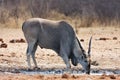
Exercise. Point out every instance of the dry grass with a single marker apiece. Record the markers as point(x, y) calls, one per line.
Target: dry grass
point(78, 13)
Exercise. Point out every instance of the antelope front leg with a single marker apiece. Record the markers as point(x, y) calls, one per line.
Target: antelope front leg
point(66, 60)
point(35, 63)
point(28, 61)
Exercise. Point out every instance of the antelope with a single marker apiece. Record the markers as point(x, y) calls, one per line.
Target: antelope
point(58, 36)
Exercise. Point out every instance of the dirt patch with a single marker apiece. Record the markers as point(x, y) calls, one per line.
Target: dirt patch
point(17, 41)
point(105, 57)
point(114, 38)
point(57, 77)
point(3, 45)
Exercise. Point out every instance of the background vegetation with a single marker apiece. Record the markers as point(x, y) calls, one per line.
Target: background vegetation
point(79, 13)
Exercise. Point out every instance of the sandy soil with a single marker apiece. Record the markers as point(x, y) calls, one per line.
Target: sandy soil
point(105, 52)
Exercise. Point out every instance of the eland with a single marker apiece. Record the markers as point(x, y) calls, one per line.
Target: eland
point(58, 36)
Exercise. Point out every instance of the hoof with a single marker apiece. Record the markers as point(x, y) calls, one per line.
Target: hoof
point(29, 69)
point(36, 68)
point(88, 73)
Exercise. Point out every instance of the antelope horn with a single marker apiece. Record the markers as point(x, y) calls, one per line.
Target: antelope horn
point(89, 49)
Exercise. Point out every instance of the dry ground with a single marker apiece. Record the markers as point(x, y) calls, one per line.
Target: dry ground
point(105, 51)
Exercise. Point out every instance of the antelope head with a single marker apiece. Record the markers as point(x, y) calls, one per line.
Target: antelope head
point(83, 59)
